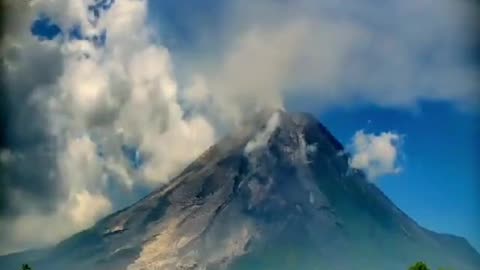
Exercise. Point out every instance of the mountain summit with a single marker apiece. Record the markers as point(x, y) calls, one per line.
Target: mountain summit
point(277, 195)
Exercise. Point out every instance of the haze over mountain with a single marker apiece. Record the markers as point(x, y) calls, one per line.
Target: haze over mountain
point(278, 194)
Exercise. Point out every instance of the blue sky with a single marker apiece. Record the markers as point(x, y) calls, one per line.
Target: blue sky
point(438, 185)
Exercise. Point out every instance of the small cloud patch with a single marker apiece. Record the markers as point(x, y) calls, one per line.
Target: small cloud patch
point(376, 155)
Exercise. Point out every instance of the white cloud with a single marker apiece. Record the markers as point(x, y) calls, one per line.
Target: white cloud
point(81, 180)
point(376, 155)
point(124, 93)
point(33, 229)
point(316, 55)
point(86, 208)
point(80, 167)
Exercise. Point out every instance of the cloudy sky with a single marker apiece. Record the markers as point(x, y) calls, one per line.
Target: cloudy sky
point(104, 100)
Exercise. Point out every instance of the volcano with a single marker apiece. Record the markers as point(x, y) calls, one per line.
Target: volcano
point(278, 194)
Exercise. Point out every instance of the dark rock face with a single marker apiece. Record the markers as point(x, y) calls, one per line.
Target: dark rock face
point(277, 195)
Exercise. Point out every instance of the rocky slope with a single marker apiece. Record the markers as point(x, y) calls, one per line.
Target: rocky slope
point(277, 195)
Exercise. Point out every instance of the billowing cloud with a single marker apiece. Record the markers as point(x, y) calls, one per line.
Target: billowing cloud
point(376, 155)
point(84, 102)
point(319, 55)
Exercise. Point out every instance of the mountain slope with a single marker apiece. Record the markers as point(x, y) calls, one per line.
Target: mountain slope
point(277, 195)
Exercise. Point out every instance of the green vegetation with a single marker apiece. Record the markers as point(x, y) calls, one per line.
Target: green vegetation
point(26, 267)
point(419, 266)
point(422, 266)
